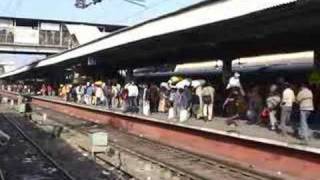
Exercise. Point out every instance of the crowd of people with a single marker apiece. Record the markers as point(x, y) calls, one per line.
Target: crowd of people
point(182, 99)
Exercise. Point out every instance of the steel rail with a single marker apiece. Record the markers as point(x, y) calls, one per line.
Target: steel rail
point(42, 152)
point(178, 170)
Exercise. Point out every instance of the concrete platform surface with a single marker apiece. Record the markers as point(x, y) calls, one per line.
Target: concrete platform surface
point(217, 126)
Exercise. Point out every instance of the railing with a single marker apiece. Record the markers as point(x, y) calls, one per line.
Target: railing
point(6, 36)
point(46, 38)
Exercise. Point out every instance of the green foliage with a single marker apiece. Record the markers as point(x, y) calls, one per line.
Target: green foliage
point(314, 77)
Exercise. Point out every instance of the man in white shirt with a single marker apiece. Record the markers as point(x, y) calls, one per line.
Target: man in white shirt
point(99, 95)
point(79, 93)
point(133, 93)
point(305, 101)
point(288, 98)
point(234, 81)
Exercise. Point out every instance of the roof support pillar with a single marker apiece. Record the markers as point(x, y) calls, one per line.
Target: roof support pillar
point(226, 70)
point(316, 60)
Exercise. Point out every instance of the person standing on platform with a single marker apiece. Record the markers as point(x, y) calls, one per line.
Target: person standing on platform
point(78, 93)
point(208, 102)
point(163, 98)
point(133, 93)
point(288, 98)
point(88, 94)
point(94, 97)
point(177, 105)
point(198, 93)
point(305, 101)
point(43, 90)
point(154, 98)
point(273, 102)
point(234, 82)
point(186, 104)
point(145, 101)
point(115, 99)
point(195, 110)
point(82, 93)
point(235, 106)
point(100, 97)
point(50, 90)
point(73, 93)
point(172, 96)
point(63, 92)
point(255, 105)
point(118, 97)
point(108, 92)
point(124, 98)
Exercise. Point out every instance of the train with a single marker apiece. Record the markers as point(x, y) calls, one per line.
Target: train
point(295, 66)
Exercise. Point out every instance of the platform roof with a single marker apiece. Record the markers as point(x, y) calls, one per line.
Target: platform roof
point(202, 23)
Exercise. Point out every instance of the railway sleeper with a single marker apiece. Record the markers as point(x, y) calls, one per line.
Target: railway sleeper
point(141, 166)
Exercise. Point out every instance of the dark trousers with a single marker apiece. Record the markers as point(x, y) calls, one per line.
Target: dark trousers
point(133, 107)
point(108, 102)
point(154, 106)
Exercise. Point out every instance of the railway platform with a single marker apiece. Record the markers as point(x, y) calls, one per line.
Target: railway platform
point(246, 146)
point(254, 132)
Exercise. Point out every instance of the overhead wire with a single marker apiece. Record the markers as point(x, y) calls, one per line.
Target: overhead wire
point(135, 2)
point(147, 8)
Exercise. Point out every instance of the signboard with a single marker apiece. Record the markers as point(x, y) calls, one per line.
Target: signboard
point(50, 27)
point(26, 35)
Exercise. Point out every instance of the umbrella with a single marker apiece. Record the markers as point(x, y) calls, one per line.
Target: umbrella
point(165, 85)
point(98, 83)
point(183, 83)
point(175, 79)
point(198, 82)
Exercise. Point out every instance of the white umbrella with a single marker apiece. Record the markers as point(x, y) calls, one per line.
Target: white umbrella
point(165, 85)
point(198, 82)
point(183, 83)
point(175, 79)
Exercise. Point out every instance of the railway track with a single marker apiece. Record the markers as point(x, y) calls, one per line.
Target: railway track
point(31, 155)
point(184, 164)
point(276, 157)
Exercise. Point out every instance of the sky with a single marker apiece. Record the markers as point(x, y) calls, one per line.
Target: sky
point(117, 12)
point(106, 12)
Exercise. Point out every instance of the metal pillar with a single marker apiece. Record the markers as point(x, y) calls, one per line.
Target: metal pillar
point(61, 35)
point(316, 60)
point(226, 70)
